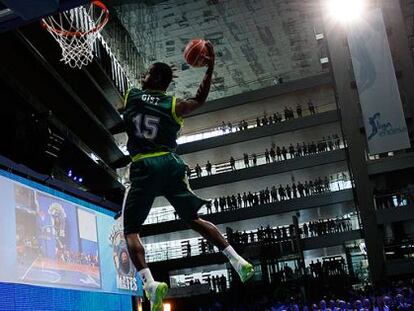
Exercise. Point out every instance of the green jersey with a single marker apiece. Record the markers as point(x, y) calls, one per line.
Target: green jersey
point(151, 122)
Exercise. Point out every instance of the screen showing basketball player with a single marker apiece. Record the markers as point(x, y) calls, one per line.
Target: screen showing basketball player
point(56, 240)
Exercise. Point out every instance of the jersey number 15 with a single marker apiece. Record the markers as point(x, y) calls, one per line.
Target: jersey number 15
point(149, 129)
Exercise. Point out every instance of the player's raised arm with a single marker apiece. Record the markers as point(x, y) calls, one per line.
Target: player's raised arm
point(186, 106)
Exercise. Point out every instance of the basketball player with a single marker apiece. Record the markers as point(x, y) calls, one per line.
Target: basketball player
point(153, 120)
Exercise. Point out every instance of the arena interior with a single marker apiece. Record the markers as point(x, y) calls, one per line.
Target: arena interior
point(303, 150)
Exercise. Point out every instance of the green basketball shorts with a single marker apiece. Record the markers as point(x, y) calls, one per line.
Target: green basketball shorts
point(162, 175)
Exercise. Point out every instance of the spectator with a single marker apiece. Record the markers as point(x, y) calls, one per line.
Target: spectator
point(299, 110)
point(198, 170)
point(246, 160)
point(258, 122)
point(232, 164)
point(337, 141)
point(239, 200)
point(311, 107)
point(278, 153)
point(275, 118)
point(188, 171)
point(270, 120)
point(223, 127)
point(307, 188)
point(244, 198)
point(282, 194)
point(264, 120)
point(291, 151)
point(304, 148)
point(284, 153)
point(208, 206)
point(254, 159)
point(240, 126)
point(301, 189)
point(294, 190)
point(230, 127)
point(298, 150)
point(330, 143)
point(273, 194)
point(267, 156)
point(288, 192)
point(245, 125)
point(286, 112)
point(208, 168)
point(216, 205)
point(273, 154)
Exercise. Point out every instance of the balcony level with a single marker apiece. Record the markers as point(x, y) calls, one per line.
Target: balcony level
point(324, 199)
point(392, 163)
point(253, 252)
point(395, 214)
point(259, 132)
point(277, 167)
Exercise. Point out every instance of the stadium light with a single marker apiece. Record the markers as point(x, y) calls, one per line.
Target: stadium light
point(345, 10)
point(167, 307)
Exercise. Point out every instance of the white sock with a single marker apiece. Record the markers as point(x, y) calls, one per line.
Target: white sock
point(146, 277)
point(235, 259)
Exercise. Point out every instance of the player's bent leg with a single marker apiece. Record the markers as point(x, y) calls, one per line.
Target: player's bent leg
point(136, 250)
point(211, 233)
point(155, 291)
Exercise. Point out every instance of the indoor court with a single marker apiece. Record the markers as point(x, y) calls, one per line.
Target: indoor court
point(206, 155)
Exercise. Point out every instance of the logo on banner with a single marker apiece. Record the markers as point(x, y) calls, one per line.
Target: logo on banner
point(125, 268)
point(382, 128)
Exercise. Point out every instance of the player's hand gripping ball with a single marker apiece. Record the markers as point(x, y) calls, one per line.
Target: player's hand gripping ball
point(199, 53)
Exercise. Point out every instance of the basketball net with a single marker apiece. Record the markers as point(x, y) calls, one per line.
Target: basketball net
point(76, 31)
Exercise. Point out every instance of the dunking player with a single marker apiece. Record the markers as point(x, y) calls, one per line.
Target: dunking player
point(153, 120)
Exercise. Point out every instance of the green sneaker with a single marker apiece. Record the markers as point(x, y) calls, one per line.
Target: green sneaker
point(246, 272)
point(156, 295)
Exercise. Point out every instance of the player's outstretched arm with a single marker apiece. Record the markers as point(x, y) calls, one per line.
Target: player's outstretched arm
point(186, 106)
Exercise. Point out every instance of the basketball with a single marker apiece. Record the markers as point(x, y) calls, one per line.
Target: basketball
point(195, 51)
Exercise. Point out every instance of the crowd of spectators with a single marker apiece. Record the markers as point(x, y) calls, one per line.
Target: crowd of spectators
point(273, 154)
point(395, 296)
point(268, 119)
point(327, 267)
point(81, 258)
point(274, 194)
point(326, 226)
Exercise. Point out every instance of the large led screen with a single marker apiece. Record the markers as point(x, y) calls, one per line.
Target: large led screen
point(52, 239)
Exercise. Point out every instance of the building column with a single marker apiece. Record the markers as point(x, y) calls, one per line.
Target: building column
point(348, 102)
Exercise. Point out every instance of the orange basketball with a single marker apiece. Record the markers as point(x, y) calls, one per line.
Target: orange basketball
point(195, 51)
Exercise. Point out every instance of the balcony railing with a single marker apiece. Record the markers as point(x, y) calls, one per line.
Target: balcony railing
point(392, 200)
point(261, 159)
point(399, 249)
point(249, 123)
point(281, 238)
point(337, 182)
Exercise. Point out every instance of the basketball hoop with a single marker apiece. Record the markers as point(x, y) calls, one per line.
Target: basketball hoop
point(76, 31)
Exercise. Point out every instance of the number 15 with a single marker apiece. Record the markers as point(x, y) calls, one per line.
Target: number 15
point(150, 128)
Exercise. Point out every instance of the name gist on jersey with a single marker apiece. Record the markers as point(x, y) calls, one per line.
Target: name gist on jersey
point(150, 99)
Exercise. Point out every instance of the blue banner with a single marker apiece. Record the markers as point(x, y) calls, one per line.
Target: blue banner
point(55, 240)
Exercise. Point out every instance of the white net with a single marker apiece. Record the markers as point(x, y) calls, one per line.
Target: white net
point(76, 31)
